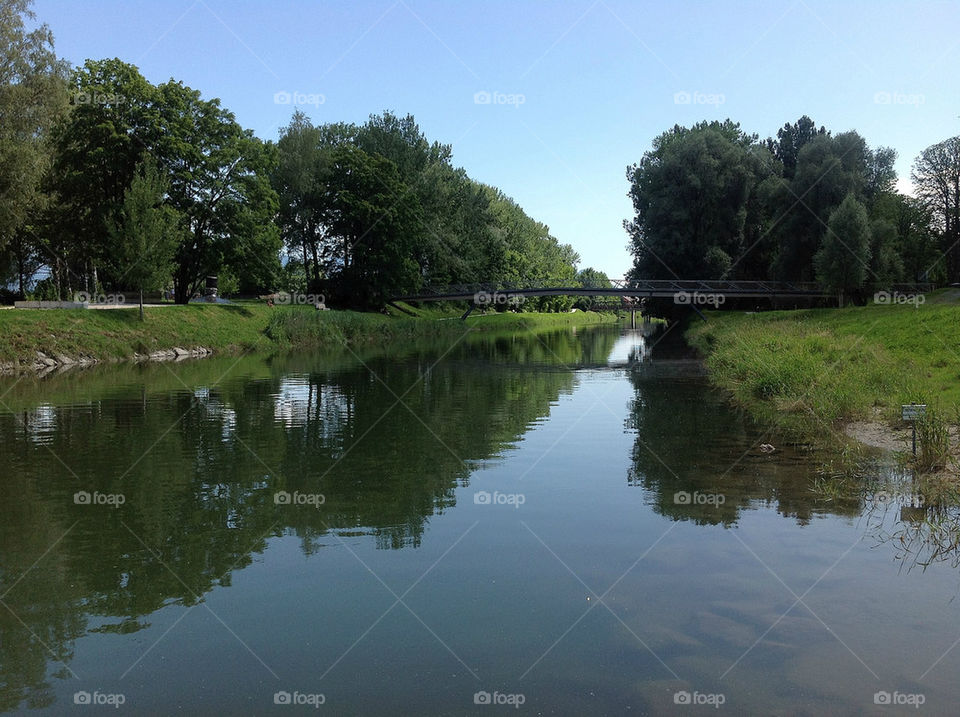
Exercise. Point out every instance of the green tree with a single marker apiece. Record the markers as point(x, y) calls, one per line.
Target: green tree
point(591, 278)
point(219, 182)
point(373, 226)
point(378, 210)
point(302, 181)
point(97, 148)
point(886, 262)
point(842, 261)
point(454, 243)
point(33, 96)
point(218, 178)
point(146, 234)
point(828, 169)
point(918, 239)
point(936, 176)
point(692, 196)
point(791, 138)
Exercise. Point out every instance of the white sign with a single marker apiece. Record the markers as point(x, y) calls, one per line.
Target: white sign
point(913, 411)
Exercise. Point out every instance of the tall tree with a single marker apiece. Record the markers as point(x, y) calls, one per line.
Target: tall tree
point(842, 261)
point(301, 179)
point(936, 176)
point(98, 145)
point(374, 228)
point(828, 169)
point(218, 174)
point(146, 234)
point(791, 138)
point(691, 195)
point(219, 182)
point(33, 96)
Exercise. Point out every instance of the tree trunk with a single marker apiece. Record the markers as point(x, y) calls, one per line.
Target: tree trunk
point(21, 270)
point(180, 288)
point(306, 267)
point(141, 304)
point(316, 263)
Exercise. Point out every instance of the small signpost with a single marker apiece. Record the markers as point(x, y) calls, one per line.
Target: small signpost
point(911, 412)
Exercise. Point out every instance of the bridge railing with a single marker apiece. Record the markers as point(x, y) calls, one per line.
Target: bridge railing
point(625, 287)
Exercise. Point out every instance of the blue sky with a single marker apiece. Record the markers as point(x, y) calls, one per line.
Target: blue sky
point(577, 90)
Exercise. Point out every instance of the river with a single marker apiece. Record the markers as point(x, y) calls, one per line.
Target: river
point(563, 522)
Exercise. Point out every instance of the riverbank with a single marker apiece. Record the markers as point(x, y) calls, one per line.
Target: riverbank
point(35, 340)
point(824, 371)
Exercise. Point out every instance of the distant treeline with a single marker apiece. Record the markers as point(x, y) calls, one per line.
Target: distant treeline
point(112, 183)
point(713, 202)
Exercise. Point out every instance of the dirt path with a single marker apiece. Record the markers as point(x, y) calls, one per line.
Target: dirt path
point(879, 435)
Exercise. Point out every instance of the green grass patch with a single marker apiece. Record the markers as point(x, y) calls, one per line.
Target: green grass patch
point(816, 368)
point(119, 334)
point(302, 327)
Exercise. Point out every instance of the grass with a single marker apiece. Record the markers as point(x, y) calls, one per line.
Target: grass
point(300, 327)
point(118, 334)
point(814, 369)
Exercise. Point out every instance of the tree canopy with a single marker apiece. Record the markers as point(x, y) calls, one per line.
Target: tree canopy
point(712, 202)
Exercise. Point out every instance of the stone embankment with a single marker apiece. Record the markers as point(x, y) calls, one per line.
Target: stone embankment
point(45, 363)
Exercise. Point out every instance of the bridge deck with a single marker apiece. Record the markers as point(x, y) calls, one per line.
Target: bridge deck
point(651, 288)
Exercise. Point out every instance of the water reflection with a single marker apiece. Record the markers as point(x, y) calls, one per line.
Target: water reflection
point(199, 452)
point(198, 465)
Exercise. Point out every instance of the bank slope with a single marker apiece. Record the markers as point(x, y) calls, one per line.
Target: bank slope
point(814, 369)
point(117, 334)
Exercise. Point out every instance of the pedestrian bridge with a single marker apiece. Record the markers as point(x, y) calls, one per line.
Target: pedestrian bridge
point(691, 292)
point(639, 288)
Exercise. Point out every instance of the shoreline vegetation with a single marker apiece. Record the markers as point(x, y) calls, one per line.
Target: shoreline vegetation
point(827, 374)
point(37, 340)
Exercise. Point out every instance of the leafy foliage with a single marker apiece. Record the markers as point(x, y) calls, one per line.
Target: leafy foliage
point(712, 202)
point(377, 210)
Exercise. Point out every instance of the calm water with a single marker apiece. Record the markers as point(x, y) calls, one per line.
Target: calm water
point(546, 519)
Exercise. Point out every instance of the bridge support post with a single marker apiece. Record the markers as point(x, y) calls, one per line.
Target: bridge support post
point(633, 318)
point(467, 312)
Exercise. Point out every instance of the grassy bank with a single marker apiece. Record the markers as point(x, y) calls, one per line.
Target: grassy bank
point(118, 334)
point(815, 369)
point(307, 328)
